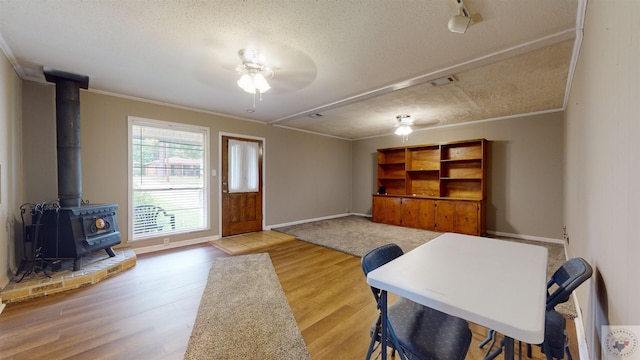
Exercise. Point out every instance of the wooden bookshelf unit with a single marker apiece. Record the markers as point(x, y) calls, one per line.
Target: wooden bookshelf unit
point(439, 187)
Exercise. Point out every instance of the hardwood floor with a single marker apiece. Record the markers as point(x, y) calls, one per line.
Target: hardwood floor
point(147, 312)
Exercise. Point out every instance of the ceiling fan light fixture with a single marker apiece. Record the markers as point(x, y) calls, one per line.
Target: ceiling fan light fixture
point(404, 130)
point(253, 73)
point(246, 83)
point(404, 126)
point(260, 83)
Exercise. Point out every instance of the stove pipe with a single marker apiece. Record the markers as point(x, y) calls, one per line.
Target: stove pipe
point(68, 134)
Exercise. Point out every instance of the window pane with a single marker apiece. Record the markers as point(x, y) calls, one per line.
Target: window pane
point(168, 184)
point(243, 166)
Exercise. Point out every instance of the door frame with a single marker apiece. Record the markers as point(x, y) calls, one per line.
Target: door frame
point(219, 175)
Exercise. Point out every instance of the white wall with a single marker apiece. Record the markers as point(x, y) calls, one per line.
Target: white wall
point(602, 194)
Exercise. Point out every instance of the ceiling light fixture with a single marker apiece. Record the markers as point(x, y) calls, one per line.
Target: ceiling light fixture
point(404, 126)
point(460, 22)
point(254, 73)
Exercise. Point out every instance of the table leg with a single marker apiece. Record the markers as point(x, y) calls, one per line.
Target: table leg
point(383, 331)
point(508, 348)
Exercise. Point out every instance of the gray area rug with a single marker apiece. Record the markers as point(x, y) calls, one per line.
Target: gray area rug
point(244, 314)
point(356, 235)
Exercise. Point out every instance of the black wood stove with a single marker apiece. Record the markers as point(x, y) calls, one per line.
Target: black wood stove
point(73, 232)
point(74, 229)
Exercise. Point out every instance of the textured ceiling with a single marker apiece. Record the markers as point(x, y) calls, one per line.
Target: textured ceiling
point(358, 63)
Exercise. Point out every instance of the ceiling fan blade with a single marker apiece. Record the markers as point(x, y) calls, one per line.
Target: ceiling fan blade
point(292, 80)
point(426, 124)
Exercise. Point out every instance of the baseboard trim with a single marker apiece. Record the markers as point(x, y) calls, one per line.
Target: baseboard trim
point(583, 349)
point(173, 245)
point(308, 220)
point(363, 215)
point(526, 237)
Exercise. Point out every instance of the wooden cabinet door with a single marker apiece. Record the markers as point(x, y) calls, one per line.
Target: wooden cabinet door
point(410, 214)
point(427, 214)
point(393, 213)
point(445, 215)
point(387, 210)
point(377, 209)
point(418, 213)
point(466, 218)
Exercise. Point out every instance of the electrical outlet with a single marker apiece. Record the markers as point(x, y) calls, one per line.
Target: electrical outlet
point(166, 241)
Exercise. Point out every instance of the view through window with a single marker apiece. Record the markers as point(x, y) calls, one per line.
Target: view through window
point(168, 178)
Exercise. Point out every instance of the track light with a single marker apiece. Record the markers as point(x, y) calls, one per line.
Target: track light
point(460, 22)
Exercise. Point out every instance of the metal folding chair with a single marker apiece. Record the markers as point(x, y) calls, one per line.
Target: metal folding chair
point(415, 331)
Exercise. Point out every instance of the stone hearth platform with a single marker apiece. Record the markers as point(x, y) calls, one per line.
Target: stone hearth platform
point(96, 267)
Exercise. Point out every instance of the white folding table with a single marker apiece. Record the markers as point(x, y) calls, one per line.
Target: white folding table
point(494, 283)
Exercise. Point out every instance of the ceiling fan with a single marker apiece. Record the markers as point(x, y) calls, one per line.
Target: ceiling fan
point(215, 60)
point(403, 127)
point(405, 124)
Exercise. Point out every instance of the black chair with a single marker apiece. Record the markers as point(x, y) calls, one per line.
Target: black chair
point(151, 218)
point(415, 331)
point(563, 282)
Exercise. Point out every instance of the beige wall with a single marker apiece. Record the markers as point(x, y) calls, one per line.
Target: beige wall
point(525, 171)
point(307, 176)
point(602, 196)
point(10, 167)
point(39, 128)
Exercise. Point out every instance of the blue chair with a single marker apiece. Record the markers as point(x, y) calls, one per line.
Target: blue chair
point(415, 331)
point(566, 279)
point(559, 289)
point(555, 342)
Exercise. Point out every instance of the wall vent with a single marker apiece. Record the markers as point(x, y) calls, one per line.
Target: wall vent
point(443, 80)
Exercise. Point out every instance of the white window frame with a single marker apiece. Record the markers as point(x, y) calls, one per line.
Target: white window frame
point(134, 120)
